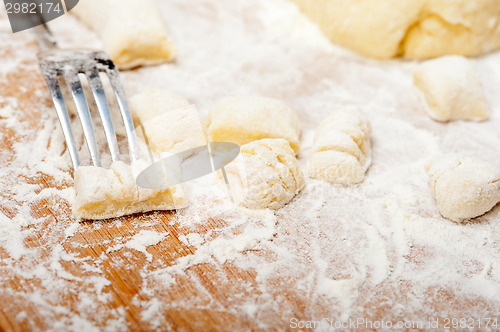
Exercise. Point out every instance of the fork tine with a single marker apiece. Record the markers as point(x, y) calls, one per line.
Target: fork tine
point(62, 112)
point(103, 107)
point(71, 77)
point(70, 63)
point(114, 79)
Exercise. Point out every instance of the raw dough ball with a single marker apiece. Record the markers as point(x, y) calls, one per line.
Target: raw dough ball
point(171, 124)
point(265, 175)
point(108, 193)
point(463, 187)
point(132, 31)
point(412, 28)
point(241, 120)
point(452, 88)
point(341, 152)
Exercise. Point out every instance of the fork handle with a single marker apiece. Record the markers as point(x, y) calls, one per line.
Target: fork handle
point(44, 38)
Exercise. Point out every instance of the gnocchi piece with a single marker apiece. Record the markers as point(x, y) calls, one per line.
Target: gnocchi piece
point(169, 122)
point(241, 120)
point(132, 32)
point(463, 187)
point(341, 152)
point(109, 193)
point(452, 89)
point(265, 175)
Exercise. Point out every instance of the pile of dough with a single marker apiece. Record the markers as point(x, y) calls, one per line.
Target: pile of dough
point(463, 187)
point(411, 28)
point(265, 175)
point(170, 123)
point(132, 31)
point(452, 88)
point(241, 120)
point(109, 193)
point(341, 152)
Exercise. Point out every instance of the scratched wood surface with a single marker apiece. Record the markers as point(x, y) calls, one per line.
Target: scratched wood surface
point(32, 301)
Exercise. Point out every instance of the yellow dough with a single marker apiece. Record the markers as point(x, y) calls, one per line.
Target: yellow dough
point(412, 28)
point(109, 193)
point(241, 120)
point(463, 187)
point(452, 89)
point(170, 123)
point(341, 152)
point(132, 31)
point(265, 175)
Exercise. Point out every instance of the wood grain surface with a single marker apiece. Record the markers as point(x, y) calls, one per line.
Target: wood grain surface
point(78, 281)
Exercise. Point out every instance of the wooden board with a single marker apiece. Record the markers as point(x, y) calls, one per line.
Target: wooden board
point(78, 281)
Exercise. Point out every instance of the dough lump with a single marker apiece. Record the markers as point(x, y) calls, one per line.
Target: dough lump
point(170, 123)
point(109, 193)
point(132, 31)
point(452, 89)
point(463, 187)
point(416, 29)
point(265, 175)
point(241, 120)
point(342, 151)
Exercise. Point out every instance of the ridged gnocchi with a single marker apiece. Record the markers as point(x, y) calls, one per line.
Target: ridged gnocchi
point(342, 150)
point(265, 175)
point(108, 193)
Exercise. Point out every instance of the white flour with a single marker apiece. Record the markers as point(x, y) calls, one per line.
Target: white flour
point(140, 242)
point(379, 249)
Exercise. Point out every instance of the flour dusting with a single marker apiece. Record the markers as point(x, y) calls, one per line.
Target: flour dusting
point(377, 250)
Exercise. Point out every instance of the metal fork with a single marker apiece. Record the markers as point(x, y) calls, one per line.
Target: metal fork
point(58, 63)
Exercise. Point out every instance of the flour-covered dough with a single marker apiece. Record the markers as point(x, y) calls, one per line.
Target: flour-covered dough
point(342, 151)
point(170, 123)
point(242, 120)
point(452, 89)
point(463, 187)
point(411, 28)
point(265, 175)
point(108, 193)
point(132, 31)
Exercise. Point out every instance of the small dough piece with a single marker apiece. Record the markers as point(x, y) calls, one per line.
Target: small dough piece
point(463, 187)
point(171, 124)
point(109, 193)
point(132, 31)
point(265, 175)
point(452, 89)
point(416, 29)
point(342, 151)
point(241, 120)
